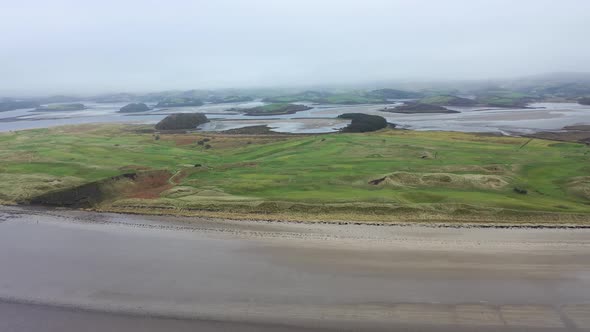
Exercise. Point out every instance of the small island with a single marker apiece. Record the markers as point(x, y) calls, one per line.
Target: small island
point(180, 121)
point(179, 102)
point(134, 107)
point(362, 123)
point(584, 101)
point(272, 109)
point(61, 107)
point(418, 108)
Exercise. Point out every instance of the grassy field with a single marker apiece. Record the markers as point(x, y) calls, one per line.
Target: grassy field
point(389, 175)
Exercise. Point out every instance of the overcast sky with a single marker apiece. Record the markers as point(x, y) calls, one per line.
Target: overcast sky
point(83, 46)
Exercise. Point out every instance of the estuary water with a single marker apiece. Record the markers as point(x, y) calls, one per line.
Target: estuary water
point(320, 119)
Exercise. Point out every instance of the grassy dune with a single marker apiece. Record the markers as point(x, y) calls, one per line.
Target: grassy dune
point(386, 175)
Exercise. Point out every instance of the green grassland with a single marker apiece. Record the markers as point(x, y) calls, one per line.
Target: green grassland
point(416, 175)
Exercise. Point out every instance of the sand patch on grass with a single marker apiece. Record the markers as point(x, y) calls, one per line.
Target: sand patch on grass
point(449, 180)
point(580, 186)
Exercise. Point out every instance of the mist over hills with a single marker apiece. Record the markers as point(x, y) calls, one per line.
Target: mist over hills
point(567, 85)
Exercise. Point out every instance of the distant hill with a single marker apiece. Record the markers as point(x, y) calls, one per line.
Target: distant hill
point(311, 96)
point(179, 102)
point(229, 99)
point(569, 86)
point(448, 100)
point(345, 98)
point(115, 98)
point(394, 94)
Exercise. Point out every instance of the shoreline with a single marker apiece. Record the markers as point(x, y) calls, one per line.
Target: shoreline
point(258, 218)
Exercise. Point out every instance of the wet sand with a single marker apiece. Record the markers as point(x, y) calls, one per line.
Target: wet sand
point(65, 269)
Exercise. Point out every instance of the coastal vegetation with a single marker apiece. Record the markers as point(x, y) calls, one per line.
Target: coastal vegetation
point(384, 175)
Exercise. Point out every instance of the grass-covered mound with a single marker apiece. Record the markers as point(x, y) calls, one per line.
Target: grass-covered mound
point(61, 107)
point(134, 107)
point(438, 176)
point(362, 123)
point(179, 102)
point(180, 121)
point(273, 109)
point(417, 108)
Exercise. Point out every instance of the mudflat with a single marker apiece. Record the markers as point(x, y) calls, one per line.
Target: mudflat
point(64, 269)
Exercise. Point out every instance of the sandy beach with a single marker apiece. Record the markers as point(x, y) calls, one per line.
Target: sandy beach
point(112, 271)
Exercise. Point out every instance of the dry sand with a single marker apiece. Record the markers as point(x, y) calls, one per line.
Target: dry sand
point(121, 272)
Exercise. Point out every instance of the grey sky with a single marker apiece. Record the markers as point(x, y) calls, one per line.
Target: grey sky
point(83, 46)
